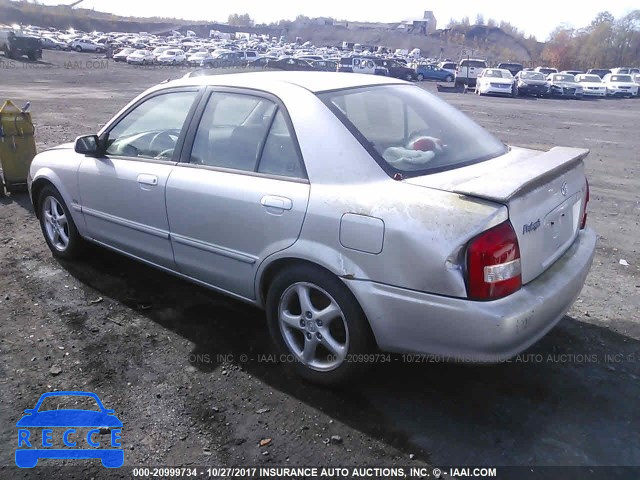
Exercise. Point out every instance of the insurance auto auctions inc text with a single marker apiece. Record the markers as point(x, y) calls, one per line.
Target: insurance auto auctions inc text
point(372, 472)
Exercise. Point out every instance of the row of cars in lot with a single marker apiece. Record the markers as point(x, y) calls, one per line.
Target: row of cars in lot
point(261, 51)
point(514, 80)
point(565, 84)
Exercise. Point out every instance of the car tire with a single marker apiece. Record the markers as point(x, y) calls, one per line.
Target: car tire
point(57, 224)
point(78, 48)
point(302, 335)
point(448, 79)
point(420, 77)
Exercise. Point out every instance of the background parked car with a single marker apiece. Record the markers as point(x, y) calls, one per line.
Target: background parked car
point(546, 70)
point(531, 83)
point(625, 70)
point(16, 43)
point(290, 64)
point(514, 68)
point(620, 85)
point(121, 55)
point(196, 59)
point(51, 43)
point(468, 71)
point(564, 85)
point(636, 79)
point(433, 72)
point(592, 85)
point(174, 56)
point(141, 57)
point(396, 69)
point(449, 67)
point(498, 81)
point(261, 62)
point(225, 60)
point(87, 45)
point(601, 72)
point(322, 65)
point(358, 64)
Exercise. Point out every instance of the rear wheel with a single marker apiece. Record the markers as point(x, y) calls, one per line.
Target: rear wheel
point(78, 48)
point(57, 225)
point(317, 323)
point(448, 79)
point(420, 77)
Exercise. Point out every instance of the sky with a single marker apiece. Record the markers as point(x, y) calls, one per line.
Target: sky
point(539, 19)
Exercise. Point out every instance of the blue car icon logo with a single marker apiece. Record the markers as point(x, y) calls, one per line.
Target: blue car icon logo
point(79, 433)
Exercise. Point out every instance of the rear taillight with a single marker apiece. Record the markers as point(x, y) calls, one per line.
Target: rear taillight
point(583, 224)
point(493, 263)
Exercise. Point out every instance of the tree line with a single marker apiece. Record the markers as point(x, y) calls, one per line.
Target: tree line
point(606, 42)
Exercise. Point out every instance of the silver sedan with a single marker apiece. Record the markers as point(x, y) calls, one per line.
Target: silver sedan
point(360, 212)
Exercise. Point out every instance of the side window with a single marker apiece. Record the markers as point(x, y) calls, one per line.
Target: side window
point(151, 129)
point(280, 156)
point(232, 131)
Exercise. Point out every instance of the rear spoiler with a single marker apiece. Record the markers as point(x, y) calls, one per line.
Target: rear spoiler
point(523, 175)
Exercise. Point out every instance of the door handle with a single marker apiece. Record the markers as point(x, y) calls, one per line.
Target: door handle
point(146, 179)
point(281, 203)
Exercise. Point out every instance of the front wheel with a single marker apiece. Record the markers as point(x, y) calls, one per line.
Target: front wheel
point(78, 48)
point(57, 225)
point(317, 323)
point(449, 79)
point(420, 77)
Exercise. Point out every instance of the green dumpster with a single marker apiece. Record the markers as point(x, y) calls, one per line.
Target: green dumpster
point(17, 147)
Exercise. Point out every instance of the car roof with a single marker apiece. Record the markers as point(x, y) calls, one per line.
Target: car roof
point(313, 81)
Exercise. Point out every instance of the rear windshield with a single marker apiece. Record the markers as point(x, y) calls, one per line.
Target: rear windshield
point(533, 75)
point(495, 73)
point(410, 131)
point(591, 78)
point(473, 64)
point(564, 78)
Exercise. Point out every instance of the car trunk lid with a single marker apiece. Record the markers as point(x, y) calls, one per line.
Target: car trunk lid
point(543, 191)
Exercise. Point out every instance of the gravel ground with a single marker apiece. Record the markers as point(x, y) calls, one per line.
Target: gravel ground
point(167, 355)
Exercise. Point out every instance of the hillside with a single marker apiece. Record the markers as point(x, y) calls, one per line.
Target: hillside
point(491, 43)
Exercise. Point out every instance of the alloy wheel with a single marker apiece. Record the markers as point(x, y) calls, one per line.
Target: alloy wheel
point(313, 326)
point(56, 224)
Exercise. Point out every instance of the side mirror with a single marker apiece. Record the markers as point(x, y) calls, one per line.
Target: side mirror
point(88, 145)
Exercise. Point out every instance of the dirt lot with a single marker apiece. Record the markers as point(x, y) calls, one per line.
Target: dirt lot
point(151, 346)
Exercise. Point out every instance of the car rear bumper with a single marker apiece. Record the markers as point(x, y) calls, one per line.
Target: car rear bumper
point(408, 321)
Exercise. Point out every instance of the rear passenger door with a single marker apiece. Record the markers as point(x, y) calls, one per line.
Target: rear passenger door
point(240, 192)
